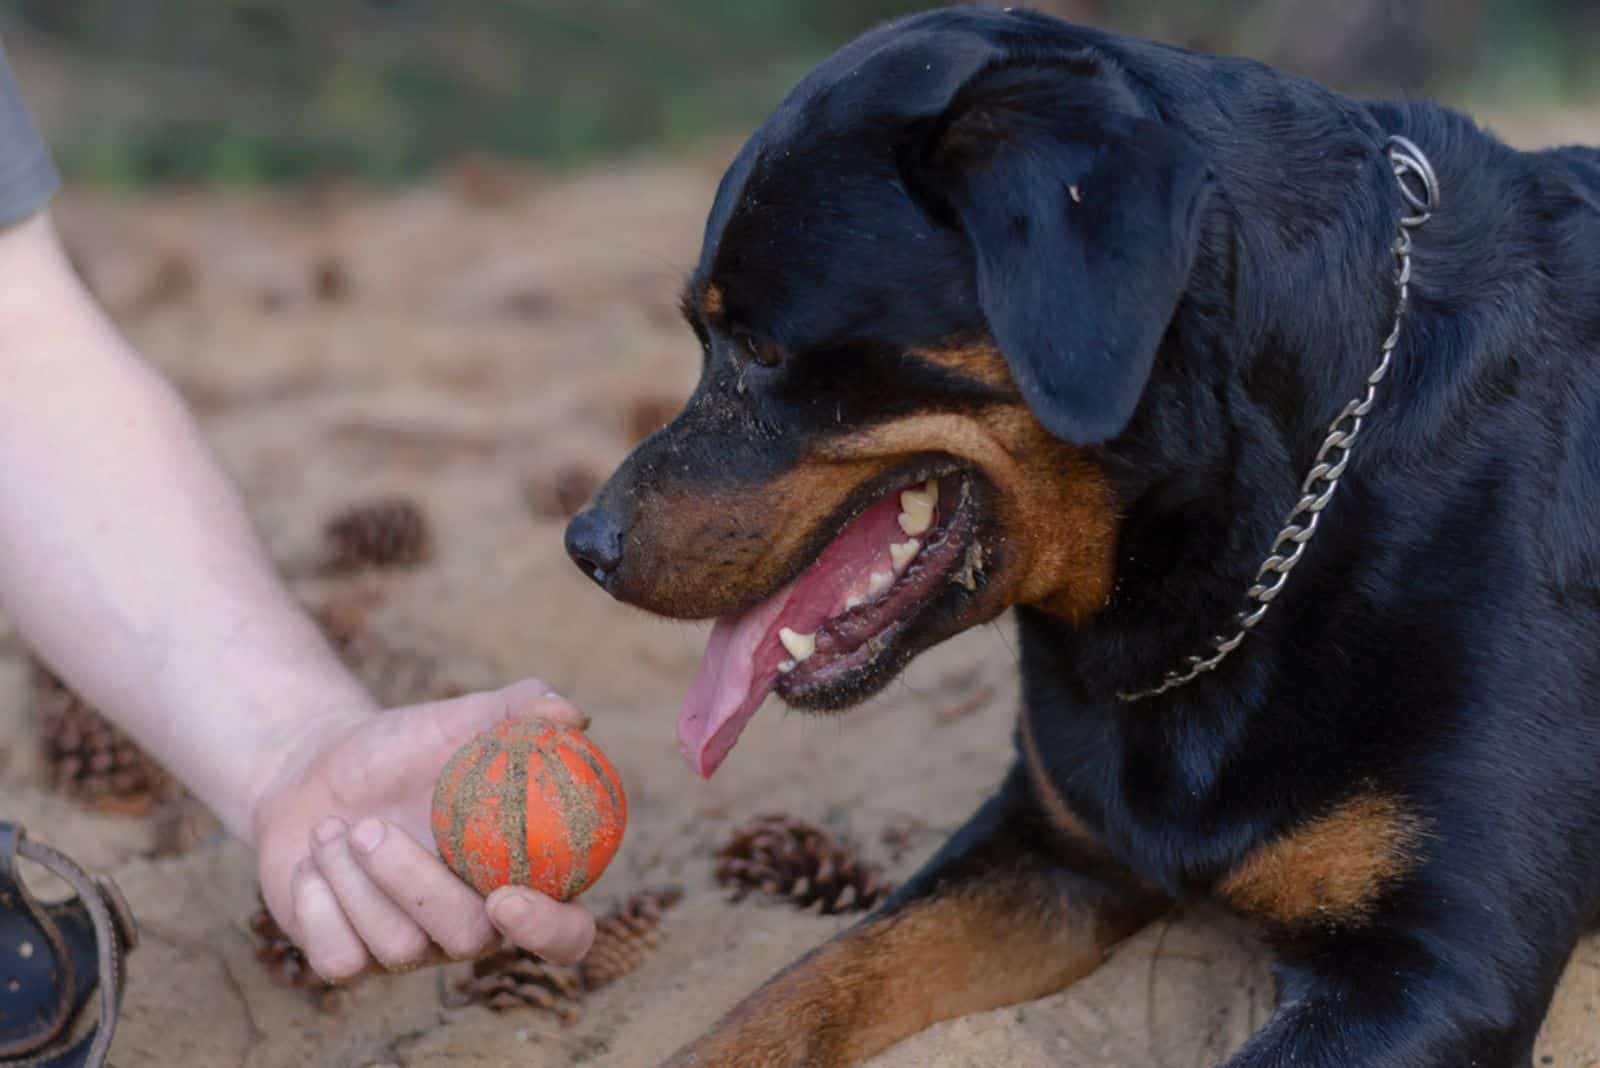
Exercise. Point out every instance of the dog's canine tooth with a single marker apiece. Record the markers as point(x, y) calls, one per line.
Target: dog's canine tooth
point(916, 522)
point(920, 499)
point(879, 581)
point(853, 601)
point(916, 508)
point(800, 646)
point(786, 666)
point(902, 553)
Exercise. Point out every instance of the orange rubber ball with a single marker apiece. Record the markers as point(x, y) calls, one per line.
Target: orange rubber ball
point(529, 803)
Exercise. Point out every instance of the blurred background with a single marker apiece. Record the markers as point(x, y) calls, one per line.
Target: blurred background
point(414, 265)
point(138, 91)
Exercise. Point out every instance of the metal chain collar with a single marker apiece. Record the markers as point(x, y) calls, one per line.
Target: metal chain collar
point(1410, 165)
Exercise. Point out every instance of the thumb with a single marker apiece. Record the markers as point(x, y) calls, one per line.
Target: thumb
point(535, 698)
point(459, 719)
point(399, 754)
point(416, 741)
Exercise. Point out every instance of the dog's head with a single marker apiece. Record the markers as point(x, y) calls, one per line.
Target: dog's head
point(931, 284)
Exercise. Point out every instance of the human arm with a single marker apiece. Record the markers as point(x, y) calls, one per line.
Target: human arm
point(128, 561)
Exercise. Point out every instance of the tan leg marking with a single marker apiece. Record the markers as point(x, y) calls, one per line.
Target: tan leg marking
point(983, 946)
point(1330, 869)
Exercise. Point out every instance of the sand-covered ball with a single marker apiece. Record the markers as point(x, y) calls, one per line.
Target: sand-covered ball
point(529, 803)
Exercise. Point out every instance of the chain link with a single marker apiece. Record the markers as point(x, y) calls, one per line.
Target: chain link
point(1410, 166)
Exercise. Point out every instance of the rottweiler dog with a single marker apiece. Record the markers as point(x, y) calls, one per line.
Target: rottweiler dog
point(1001, 312)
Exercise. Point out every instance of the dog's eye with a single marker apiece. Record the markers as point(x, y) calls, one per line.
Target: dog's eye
point(764, 352)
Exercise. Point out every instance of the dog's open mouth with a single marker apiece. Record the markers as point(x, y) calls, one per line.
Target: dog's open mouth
point(817, 640)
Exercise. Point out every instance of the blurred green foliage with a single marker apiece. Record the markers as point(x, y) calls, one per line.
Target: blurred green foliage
point(262, 90)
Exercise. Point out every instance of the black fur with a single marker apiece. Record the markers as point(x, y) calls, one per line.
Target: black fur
point(1076, 299)
point(1200, 316)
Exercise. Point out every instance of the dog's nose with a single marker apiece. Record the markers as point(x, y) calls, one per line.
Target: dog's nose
point(594, 541)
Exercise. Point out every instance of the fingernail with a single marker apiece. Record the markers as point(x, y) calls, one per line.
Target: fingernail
point(584, 719)
point(368, 835)
point(512, 909)
point(329, 829)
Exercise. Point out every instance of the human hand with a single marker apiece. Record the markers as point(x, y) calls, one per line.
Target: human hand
point(346, 860)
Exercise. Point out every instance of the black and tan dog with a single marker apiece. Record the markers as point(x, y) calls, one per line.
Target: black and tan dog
point(1000, 311)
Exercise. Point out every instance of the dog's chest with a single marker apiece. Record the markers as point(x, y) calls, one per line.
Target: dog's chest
point(1167, 804)
point(1157, 796)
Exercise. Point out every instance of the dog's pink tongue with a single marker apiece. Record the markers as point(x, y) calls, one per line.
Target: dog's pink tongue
point(730, 685)
point(740, 665)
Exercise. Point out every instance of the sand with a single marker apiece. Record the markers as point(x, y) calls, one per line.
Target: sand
point(466, 342)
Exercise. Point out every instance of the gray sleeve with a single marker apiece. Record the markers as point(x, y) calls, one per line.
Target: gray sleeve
point(28, 177)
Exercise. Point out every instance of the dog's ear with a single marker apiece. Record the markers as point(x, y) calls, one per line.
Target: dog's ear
point(1084, 219)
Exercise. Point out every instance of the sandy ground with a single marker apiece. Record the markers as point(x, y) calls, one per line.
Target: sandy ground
point(467, 341)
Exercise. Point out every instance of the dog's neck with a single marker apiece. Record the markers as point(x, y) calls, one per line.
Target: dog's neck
point(1292, 293)
point(1418, 188)
point(1277, 333)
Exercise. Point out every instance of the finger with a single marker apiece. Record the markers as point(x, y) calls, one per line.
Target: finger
point(331, 945)
point(417, 741)
point(391, 936)
point(541, 925)
point(464, 717)
point(447, 909)
point(535, 698)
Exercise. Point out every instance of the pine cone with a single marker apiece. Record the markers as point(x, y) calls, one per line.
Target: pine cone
point(624, 937)
point(179, 824)
point(283, 960)
point(88, 756)
point(786, 857)
point(390, 532)
point(345, 619)
point(396, 674)
point(172, 281)
point(513, 979)
point(330, 279)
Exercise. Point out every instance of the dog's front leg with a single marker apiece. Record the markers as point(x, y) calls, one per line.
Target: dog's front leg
point(1001, 915)
point(1406, 999)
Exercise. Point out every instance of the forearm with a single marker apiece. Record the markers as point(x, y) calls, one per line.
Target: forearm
point(127, 559)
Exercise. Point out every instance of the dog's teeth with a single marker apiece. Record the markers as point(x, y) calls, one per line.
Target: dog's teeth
point(879, 581)
point(800, 646)
point(787, 666)
point(900, 555)
point(916, 507)
point(912, 500)
point(915, 522)
point(916, 510)
point(852, 602)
